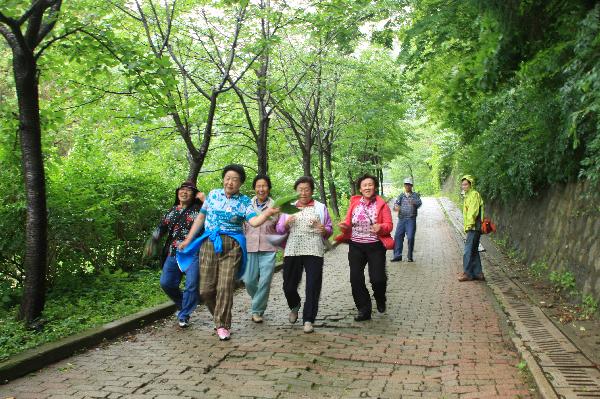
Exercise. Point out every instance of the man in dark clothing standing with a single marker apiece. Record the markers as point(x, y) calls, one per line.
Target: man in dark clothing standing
point(406, 205)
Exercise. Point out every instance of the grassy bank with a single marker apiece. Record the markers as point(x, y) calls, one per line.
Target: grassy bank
point(79, 303)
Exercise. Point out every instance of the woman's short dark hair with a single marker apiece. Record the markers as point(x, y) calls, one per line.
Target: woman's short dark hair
point(239, 169)
point(305, 179)
point(368, 176)
point(261, 177)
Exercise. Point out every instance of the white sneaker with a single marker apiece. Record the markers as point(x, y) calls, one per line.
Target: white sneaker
point(257, 318)
point(184, 323)
point(223, 334)
point(293, 316)
point(308, 327)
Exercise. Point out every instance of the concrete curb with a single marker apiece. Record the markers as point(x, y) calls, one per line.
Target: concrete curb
point(37, 358)
point(42, 356)
point(543, 385)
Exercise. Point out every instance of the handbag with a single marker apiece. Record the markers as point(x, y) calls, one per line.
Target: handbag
point(487, 226)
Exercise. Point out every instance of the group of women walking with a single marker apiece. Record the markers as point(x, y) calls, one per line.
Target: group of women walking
point(227, 236)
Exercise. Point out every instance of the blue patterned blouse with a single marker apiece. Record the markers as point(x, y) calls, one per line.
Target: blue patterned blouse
point(227, 214)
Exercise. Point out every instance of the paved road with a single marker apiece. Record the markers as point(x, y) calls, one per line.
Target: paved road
point(439, 339)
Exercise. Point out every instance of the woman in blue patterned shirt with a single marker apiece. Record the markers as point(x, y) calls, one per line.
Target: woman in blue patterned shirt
point(223, 245)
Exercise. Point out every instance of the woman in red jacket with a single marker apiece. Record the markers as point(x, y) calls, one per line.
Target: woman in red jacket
point(367, 230)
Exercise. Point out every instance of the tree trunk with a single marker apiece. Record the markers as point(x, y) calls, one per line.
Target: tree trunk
point(333, 200)
point(262, 143)
point(380, 178)
point(322, 176)
point(205, 138)
point(262, 93)
point(194, 168)
point(351, 183)
point(36, 225)
point(306, 163)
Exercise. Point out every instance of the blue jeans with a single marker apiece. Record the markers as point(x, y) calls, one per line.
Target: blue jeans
point(257, 278)
point(170, 279)
point(471, 259)
point(406, 226)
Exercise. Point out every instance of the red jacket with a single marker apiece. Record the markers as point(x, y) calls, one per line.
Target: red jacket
point(384, 219)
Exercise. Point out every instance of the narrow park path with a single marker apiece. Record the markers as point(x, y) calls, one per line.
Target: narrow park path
point(438, 339)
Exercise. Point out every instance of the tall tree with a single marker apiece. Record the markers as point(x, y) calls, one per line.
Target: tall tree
point(24, 35)
point(198, 56)
point(271, 20)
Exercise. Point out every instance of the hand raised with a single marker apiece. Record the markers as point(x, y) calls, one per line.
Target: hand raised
point(375, 228)
point(290, 221)
point(343, 226)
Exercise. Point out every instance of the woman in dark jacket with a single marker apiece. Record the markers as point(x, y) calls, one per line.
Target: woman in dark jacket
point(177, 223)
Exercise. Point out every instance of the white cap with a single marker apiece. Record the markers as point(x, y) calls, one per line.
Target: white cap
point(408, 180)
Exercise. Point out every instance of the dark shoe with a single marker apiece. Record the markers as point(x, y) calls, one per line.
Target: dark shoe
point(363, 316)
point(464, 277)
point(410, 260)
point(397, 259)
point(480, 277)
point(381, 307)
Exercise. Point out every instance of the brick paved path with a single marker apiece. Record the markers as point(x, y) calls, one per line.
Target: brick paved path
point(438, 339)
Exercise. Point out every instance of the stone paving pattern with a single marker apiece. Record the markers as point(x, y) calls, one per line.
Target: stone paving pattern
point(438, 339)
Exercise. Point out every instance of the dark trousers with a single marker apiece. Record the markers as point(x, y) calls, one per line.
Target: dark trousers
point(359, 255)
point(292, 275)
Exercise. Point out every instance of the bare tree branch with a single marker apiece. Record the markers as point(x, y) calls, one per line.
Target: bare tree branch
point(125, 10)
point(54, 40)
point(253, 149)
point(52, 19)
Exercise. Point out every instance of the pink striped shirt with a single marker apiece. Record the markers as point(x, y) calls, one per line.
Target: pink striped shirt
point(363, 217)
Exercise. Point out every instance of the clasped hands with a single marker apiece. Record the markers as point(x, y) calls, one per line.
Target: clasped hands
point(316, 224)
point(375, 228)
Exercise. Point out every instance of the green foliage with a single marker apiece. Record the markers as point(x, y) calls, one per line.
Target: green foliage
point(538, 269)
point(371, 134)
point(589, 307)
point(563, 281)
point(423, 160)
point(81, 302)
point(517, 84)
point(581, 93)
point(284, 203)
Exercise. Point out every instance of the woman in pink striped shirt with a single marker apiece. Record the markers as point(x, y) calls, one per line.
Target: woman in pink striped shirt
point(367, 230)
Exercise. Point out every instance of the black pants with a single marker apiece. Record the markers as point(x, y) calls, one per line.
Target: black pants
point(292, 275)
point(359, 255)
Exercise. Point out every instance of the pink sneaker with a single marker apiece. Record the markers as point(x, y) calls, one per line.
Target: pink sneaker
point(223, 333)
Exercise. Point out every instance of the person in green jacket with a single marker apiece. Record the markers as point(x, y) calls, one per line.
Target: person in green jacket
point(472, 214)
